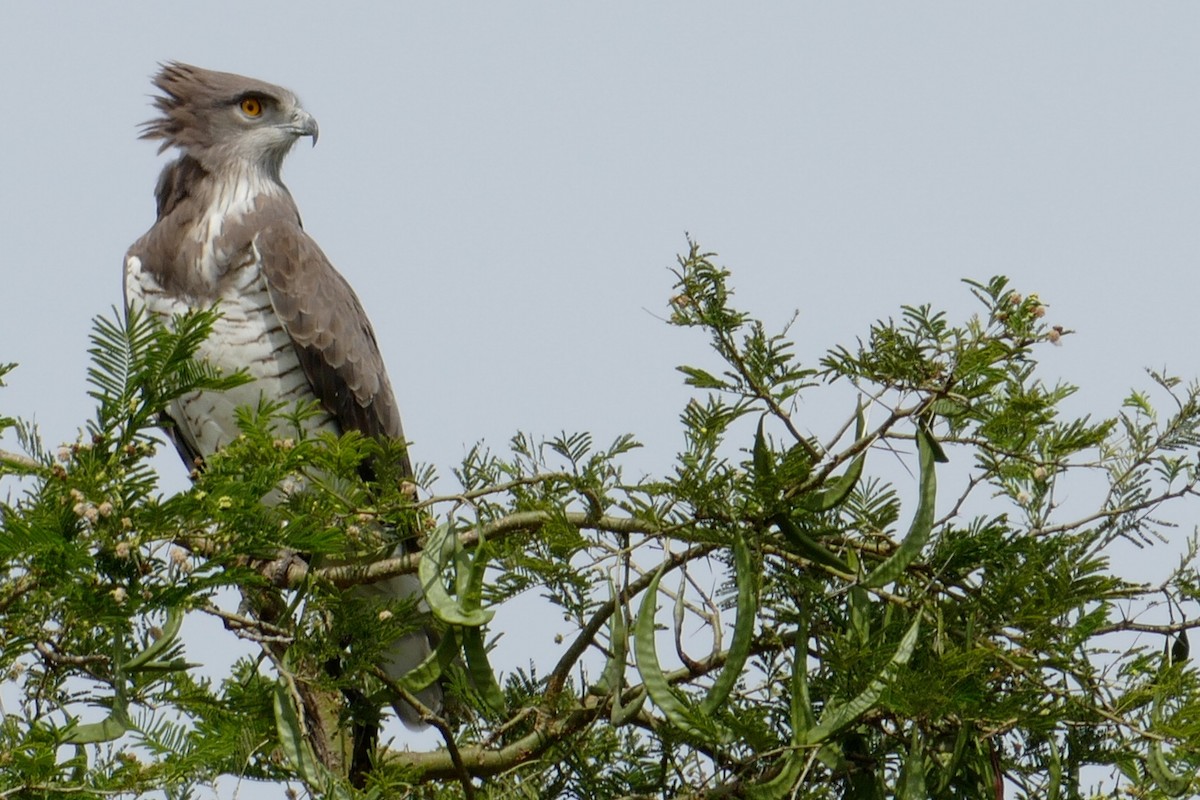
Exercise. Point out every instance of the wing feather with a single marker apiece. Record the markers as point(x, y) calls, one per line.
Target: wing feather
point(331, 333)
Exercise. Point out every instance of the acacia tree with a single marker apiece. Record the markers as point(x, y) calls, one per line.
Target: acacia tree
point(869, 636)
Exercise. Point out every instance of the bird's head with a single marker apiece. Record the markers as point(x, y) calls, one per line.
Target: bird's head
point(221, 119)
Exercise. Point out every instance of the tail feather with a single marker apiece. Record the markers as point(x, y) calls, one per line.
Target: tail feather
point(407, 652)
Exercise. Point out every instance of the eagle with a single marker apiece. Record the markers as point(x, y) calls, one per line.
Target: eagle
point(228, 234)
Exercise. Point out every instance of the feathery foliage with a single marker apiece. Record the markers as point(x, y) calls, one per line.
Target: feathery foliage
point(916, 598)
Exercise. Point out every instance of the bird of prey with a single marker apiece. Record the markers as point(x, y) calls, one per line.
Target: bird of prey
point(228, 233)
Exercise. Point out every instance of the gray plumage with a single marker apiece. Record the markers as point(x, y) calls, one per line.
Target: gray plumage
point(228, 232)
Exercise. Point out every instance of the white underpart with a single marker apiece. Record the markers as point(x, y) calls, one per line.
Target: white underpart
point(247, 336)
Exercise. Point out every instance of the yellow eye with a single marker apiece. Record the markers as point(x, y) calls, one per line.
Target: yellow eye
point(251, 107)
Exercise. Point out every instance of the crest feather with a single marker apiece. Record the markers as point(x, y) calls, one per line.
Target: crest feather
point(189, 97)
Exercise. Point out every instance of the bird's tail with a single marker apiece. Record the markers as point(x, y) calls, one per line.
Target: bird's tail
point(407, 652)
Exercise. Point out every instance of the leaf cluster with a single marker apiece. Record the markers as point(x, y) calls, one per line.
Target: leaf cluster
point(917, 598)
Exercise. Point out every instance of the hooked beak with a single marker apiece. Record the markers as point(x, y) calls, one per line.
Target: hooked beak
point(304, 124)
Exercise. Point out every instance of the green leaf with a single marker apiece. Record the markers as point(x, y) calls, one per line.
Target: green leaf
point(292, 741)
point(701, 379)
point(112, 727)
point(837, 717)
point(743, 629)
point(612, 679)
point(808, 547)
point(802, 721)
point(623, 713)
point(839, 488)
point(434, 665)
point(763, 461)
point(440, 549)
point(166, 639)
point(783, 782)
point(297, 751)
point(922, 524)
point(912, 778)
point(117, 723)
point(802, 717)
point(1054, 769)
point(677, 711)
point(483, 677)
point(1171, 783)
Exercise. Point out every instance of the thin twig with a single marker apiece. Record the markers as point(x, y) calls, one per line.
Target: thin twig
point(69, 661)
point(243, 626)
point(430, 717)
point(466, 497)
point(558, 676)
point(346, 575)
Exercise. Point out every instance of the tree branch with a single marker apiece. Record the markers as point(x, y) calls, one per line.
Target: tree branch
point(558, 676)
point(346, 575)
point(20, 461)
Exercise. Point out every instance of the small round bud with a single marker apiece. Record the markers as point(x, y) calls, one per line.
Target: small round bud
point(180, 559)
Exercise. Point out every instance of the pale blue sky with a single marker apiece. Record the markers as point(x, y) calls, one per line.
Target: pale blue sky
point(507, 185)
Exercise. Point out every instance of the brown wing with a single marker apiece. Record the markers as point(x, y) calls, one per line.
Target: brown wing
point(332, 335)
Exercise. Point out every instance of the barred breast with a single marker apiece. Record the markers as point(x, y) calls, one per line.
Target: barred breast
point(248, 336)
